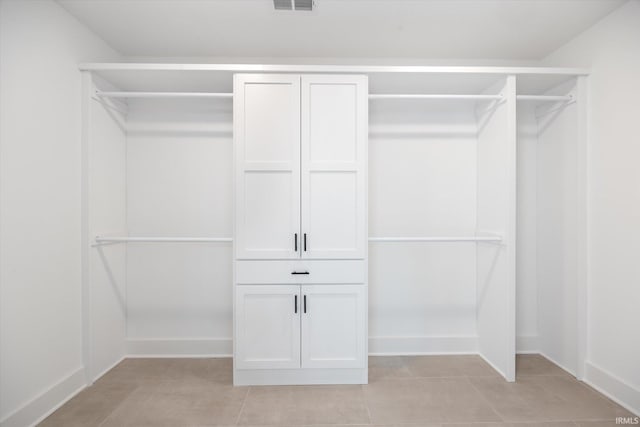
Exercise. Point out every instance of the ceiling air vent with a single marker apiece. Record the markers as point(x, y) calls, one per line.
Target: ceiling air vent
point(293, 4)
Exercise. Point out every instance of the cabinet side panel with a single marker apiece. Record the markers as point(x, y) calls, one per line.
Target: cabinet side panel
point(495, 308)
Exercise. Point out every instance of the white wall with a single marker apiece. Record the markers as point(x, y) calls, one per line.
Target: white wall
point(40, 269)
point(179, 164)
point(105, 208)
point(612, 49)
point(179, 183)
point(527, 266)
point(422, 182)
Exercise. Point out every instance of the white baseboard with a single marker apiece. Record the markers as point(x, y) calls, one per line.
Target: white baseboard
point(495, 368)
point(205, 347)
point(41, 406)
point(378, 346)
point(614, 388)
point(113, 365)
point(527, 344)
point(558, 364)
point(422, 345)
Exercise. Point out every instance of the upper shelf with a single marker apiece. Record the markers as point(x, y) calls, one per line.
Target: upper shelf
point(366, 69)
point(218, 78)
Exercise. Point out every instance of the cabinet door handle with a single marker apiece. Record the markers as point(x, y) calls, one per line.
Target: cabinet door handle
point(299, 272)
point(305, 242)
point(304, 302)
point(295, 242)
point(295, 304)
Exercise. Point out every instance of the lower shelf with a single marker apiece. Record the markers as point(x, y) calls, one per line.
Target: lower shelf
point(299, 376)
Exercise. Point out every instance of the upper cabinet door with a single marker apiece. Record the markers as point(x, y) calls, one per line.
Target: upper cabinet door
point(334, 156)
point(266, 129)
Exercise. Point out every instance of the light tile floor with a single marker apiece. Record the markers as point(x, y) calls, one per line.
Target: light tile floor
point(458, 391)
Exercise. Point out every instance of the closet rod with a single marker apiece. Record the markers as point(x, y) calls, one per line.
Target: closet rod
point(432, 96)
point(162, 239)
point(549, 98)
point(229, 239)
point(438, 239)
point(105, 94)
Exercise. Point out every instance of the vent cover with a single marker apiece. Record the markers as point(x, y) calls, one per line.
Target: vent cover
point(293, 4)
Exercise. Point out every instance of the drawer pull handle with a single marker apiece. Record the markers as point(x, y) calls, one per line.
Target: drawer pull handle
point(299, 272)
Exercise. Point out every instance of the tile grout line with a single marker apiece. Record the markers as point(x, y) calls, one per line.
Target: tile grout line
point(581, 383)
point(113, 411)
point(572, 421)
point(444, 377)
point(366, 404)
point(244, 401)
point(482, 396)
point(602, 396)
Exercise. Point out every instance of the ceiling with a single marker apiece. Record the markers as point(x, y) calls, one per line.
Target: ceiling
point(518, 30)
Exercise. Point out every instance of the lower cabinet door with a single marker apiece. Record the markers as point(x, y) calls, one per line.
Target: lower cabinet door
point(333, 326)
point(267, 326)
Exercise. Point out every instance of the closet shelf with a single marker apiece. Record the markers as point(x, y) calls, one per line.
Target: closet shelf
point(124, 239)
point(438, 239)
point(435, 96)
point(131, 94)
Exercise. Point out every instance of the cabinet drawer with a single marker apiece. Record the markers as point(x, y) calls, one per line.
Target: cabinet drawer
point(320, 272)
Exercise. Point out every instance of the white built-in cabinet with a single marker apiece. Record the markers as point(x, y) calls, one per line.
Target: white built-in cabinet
point(300, 326)
point(300, 166)
point(300, 144)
